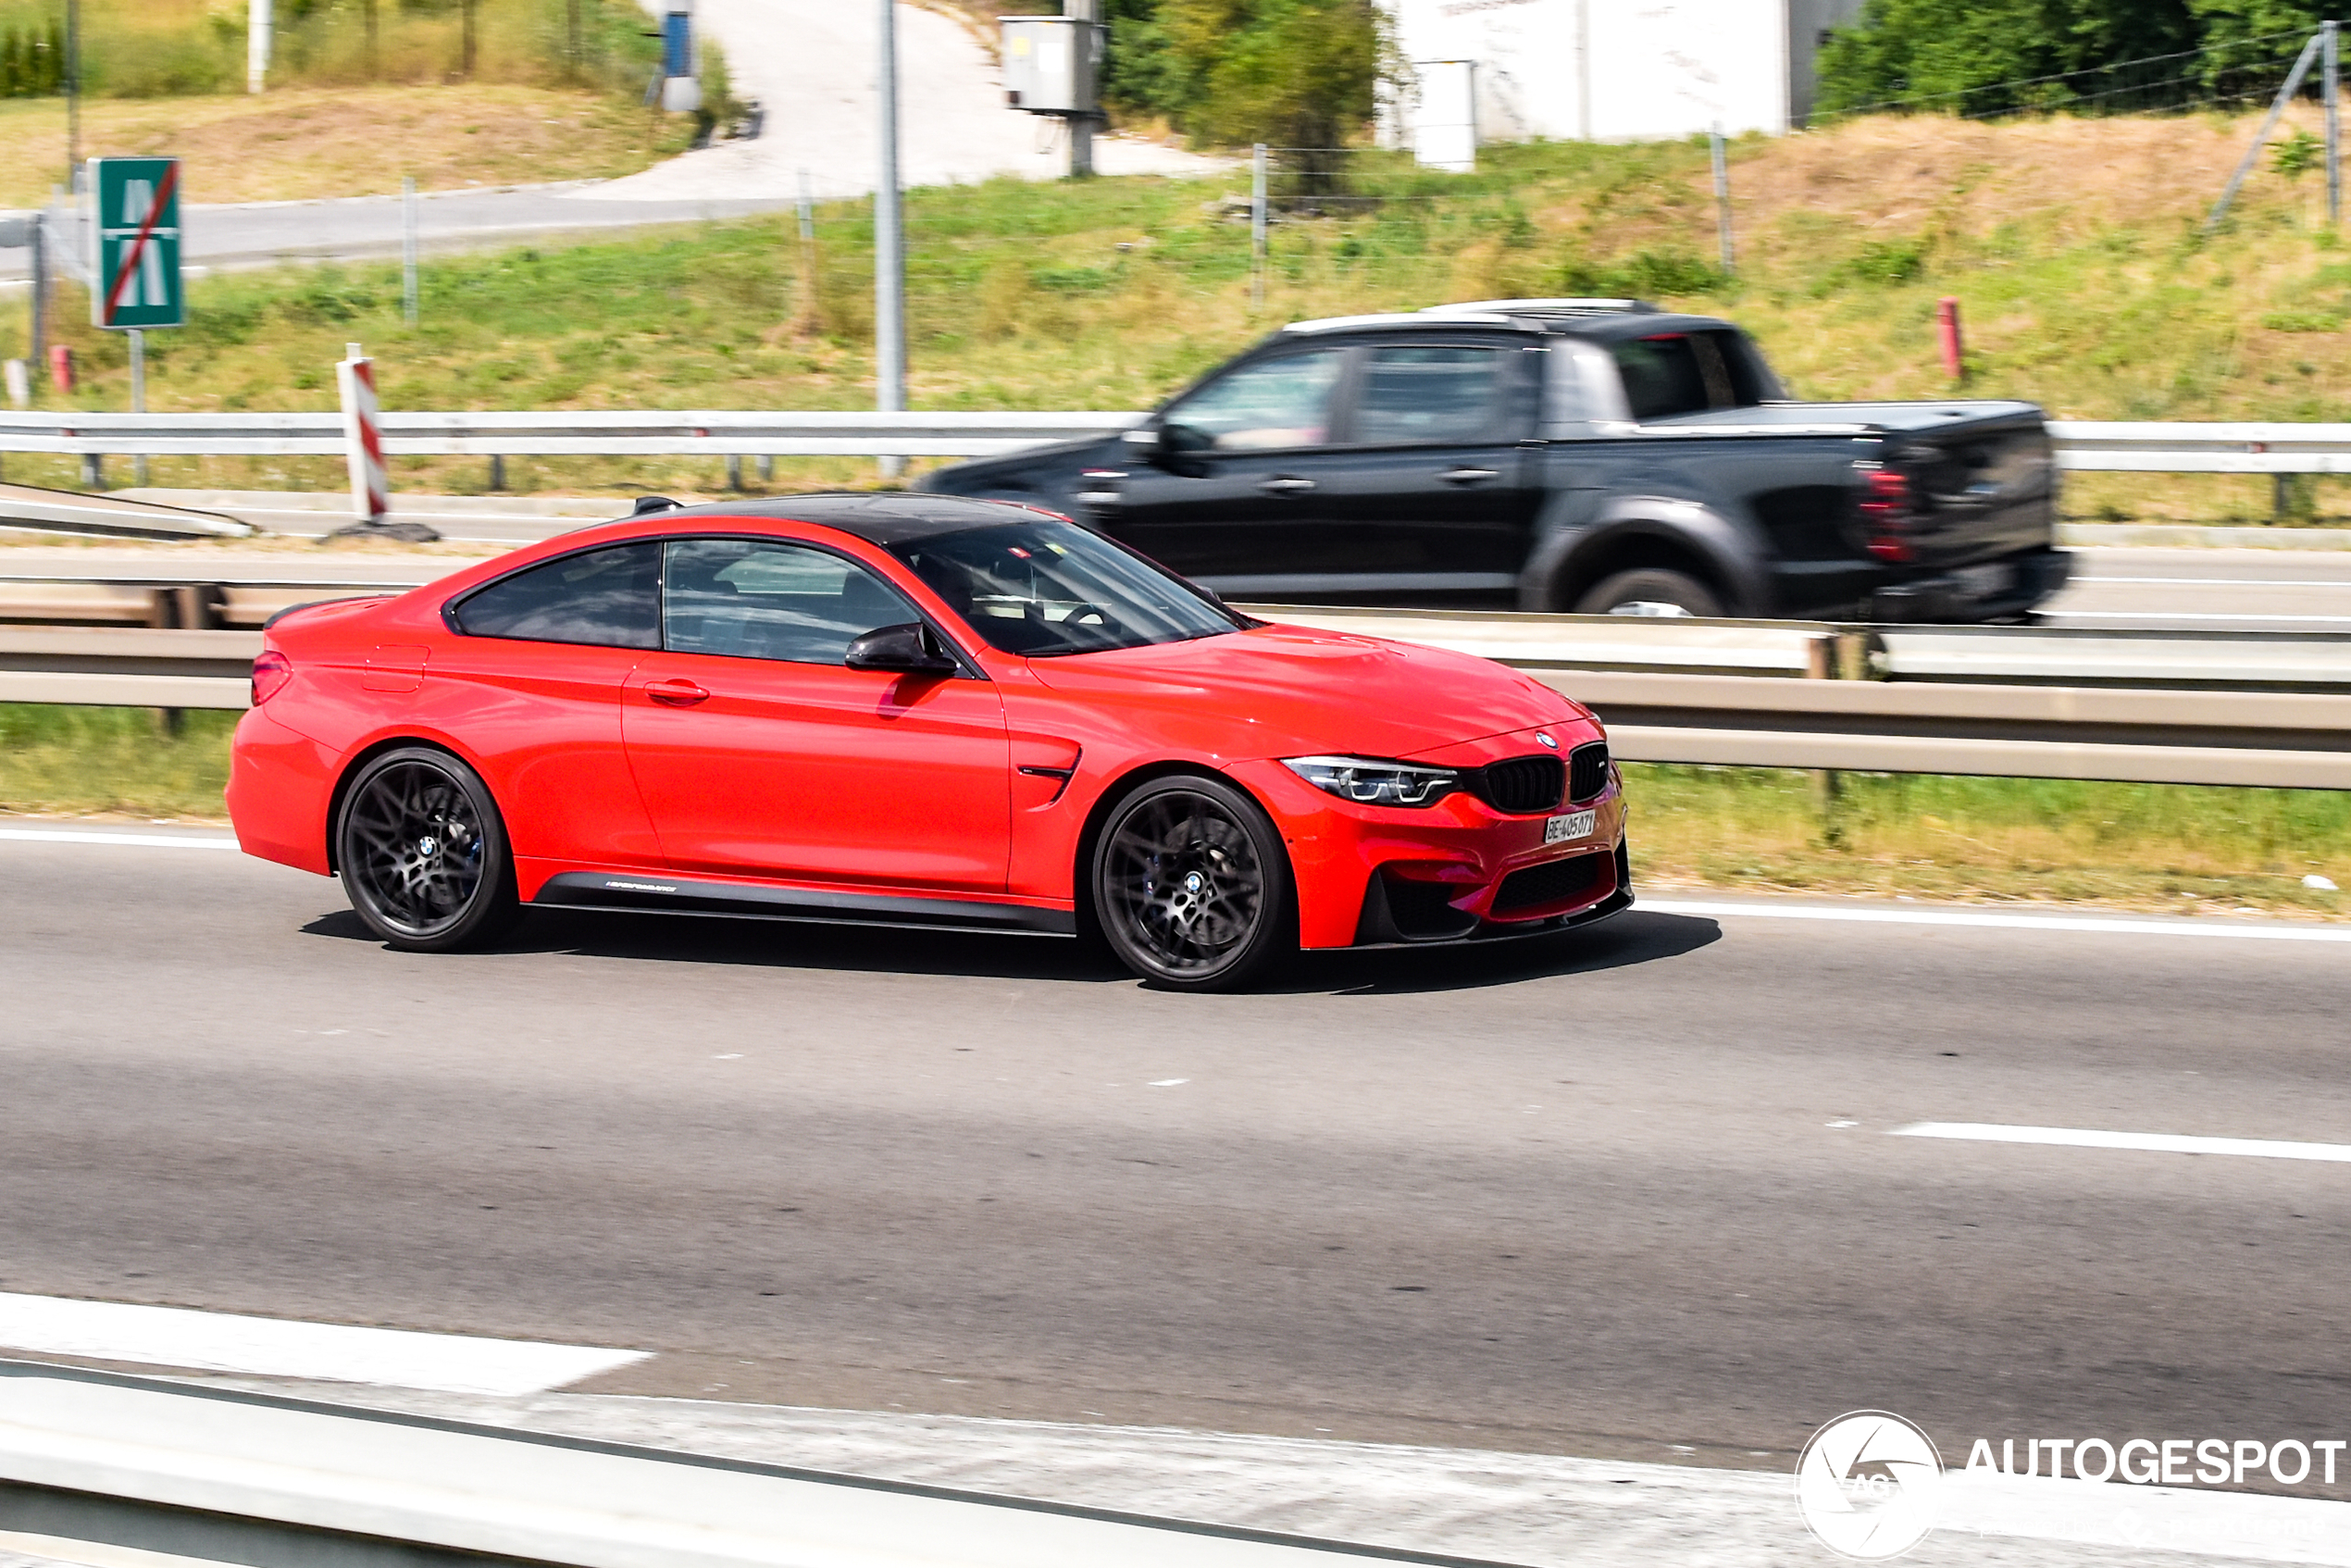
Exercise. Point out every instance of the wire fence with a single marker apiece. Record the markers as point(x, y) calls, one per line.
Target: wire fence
point(2234, 75)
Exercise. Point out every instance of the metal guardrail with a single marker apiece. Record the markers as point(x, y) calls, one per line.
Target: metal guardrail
point(1764, 712)
point(229, 1476)
point(2168, 447)
point(2194, 448)
point(605, 433)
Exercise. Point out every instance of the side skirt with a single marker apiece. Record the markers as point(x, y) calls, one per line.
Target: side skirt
point(668, 895)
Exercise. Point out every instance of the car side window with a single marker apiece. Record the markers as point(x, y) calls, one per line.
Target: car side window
point(1432, 393)
point(1261, 407)
point(763, 599)
point(608, 598)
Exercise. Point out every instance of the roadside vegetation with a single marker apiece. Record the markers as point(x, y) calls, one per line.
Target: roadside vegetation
point(2072, 245)
point(2138, 846)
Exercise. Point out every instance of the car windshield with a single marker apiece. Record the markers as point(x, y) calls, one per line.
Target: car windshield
point(1044, 589)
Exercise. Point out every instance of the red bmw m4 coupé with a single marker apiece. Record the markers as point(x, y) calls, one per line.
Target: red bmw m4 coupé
point(913, 710)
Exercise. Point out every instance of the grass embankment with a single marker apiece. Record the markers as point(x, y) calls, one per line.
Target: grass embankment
point(302, 142)
point(2071, 245)
point(2138, 846)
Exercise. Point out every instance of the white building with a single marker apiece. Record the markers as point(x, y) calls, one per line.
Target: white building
point(1615, 70)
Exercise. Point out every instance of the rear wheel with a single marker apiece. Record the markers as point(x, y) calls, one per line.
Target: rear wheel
point(423, 853)
point(1649, 591)
point(1193, 886)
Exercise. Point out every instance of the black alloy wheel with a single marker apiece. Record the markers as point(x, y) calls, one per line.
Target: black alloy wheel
point(1192, 887)
point(423, 853)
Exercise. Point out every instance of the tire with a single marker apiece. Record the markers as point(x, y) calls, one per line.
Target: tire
point(1650, 586)
point(1191, 886)
point(423, 853)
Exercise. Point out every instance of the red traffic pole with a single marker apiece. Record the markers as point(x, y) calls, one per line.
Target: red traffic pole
point(1946, 327)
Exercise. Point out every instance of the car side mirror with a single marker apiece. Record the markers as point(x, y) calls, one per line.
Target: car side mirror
point(1144, 444)
point(910, 647)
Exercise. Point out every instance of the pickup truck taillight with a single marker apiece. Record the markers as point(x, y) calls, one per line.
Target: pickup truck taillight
point(1886, 513)
point(271, 670)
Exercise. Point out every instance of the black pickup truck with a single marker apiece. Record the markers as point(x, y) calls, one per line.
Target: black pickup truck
point(1587, 455)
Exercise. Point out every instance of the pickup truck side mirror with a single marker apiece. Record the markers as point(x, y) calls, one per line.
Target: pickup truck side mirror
point(910, 647)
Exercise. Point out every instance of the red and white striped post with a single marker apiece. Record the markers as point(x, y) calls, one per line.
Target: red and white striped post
point(363, 450)
point(363, 438)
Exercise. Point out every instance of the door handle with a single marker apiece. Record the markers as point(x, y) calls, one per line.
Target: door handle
point(1285, 484)
point(1468, 476)
point(675, 693)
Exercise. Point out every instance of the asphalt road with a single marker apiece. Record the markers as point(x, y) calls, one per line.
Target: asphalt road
point(2207, 589)
point(1628, 1189)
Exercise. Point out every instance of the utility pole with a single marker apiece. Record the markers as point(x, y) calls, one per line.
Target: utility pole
point(2335, 125)
point(889, 248)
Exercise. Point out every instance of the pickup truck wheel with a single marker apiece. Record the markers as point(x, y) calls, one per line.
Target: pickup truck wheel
point(1649, 591)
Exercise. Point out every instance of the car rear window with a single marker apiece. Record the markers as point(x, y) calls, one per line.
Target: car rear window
point(610, 598)
point(1674, 373)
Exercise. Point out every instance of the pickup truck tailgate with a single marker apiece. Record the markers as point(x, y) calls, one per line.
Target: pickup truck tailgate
point(1981, 488)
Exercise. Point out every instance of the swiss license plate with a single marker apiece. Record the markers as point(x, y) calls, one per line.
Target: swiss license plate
point(1575, 825)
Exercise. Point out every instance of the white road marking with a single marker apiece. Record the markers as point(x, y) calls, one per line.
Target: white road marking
point(148, 840)
point(269, 1347)
point(2275, 932)
point(2155, 1142)
point(2176, 615)
point(2224, 581)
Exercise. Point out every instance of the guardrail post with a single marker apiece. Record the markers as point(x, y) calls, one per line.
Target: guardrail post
point(735, 472)
point(93, 471)
point(497, 471)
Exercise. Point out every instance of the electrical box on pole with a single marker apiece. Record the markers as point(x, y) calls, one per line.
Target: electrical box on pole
point(1052, 66)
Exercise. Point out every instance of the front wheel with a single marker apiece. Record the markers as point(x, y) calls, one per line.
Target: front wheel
point(1192, 887)
point(423, 853)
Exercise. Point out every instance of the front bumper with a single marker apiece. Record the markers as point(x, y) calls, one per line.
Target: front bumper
point(1455, 871)
point(1992, 591)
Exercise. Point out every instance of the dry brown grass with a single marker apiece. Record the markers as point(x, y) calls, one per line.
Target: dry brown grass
point(340, 142)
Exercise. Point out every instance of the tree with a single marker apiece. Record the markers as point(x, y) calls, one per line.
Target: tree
point(1968, 56)
point(1296, 73)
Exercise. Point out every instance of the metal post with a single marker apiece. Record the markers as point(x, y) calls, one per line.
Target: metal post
point(258, 22)
point(1084, 13)
point(804, 307)
point(1722, 198)
point(1257, 227)
point(73, 94)
point(2335, 125)
point(2285, 97)
point(890, 252)
point(137, 397)
point(408, 250)
point(40, 292)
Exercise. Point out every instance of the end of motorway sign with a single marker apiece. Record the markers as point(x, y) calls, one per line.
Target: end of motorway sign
point(137, 268)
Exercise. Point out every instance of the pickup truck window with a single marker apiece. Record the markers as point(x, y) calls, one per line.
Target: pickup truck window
point(1675, 373)
point(1429, 394)
point(1260, 407)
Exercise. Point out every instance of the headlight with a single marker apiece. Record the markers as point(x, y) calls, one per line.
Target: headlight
point(1369, 781)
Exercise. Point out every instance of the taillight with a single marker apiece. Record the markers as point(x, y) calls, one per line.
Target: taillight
point(1886, 513)
point(271, 670)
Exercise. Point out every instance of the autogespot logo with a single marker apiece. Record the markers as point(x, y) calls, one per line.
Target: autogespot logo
point(1869, 1486)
